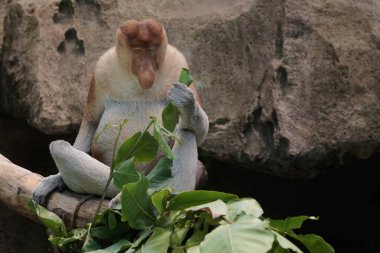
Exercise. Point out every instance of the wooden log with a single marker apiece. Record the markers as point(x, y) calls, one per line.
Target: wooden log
point(17, 185)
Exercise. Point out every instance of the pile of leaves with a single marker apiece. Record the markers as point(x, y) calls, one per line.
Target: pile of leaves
point(152, 218)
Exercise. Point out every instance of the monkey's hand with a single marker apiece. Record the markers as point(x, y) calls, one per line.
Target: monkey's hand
point(46, 186)
point(193, 118)
point(115, 202)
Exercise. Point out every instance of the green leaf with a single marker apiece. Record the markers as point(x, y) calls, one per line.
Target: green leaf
point(244, 236)
point(142, 146)
point(114, 248)
point(178, 250)
point(90, 244)
point(112, 221)
point(136, 205)
point(194, 249)
point(49, 219)
point(198, 197)
point(162, 142)
point(314, 243)
point(276, 248)
point(67, 243)
point(284, 243)
point(157, 243)
point(105, 233)
point(216, 208)
point(160, 199)
point(170, 117)
point(125, 172)
point(243, 206)
point(161, 175)
point(179, 233)
point(185, 77)
point(143, 235)
point(290, 223)
point(170, 114)
point(201, 228)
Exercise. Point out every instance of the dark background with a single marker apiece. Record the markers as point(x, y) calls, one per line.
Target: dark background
point(347, 199)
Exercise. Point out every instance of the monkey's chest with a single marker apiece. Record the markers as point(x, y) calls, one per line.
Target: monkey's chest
point(137, 115)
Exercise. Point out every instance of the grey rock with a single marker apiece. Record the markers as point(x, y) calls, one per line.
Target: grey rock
point(290, 87)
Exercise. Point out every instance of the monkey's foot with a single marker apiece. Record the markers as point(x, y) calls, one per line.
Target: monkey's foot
point(46, 186)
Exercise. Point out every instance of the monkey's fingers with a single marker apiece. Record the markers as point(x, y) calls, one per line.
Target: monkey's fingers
point(182, 97)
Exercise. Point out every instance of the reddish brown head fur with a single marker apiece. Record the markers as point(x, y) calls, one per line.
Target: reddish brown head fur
point(145, 40)
point(142, 34)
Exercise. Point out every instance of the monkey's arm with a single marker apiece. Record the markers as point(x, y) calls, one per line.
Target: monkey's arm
point(91, 117)
point(191, 130)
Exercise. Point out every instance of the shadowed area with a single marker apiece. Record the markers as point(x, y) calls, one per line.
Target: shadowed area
point(347, 199)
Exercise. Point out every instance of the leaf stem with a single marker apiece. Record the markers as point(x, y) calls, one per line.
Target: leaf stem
point(110, 176)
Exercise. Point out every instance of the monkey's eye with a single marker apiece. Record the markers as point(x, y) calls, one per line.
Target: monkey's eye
point(138, 50)
point(152, 49)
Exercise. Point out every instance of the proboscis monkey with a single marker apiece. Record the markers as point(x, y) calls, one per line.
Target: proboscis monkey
point(133, 80)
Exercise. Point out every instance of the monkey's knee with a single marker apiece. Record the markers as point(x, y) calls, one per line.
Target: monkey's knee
point(81, 172)
point(201, 175)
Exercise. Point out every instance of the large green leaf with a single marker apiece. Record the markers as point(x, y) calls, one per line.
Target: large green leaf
point(162, 142)
point(125, 172)
point(290, 223)
point(160, 199)
point(244, 236)
point(142, 146)
point(170, 117)
point(136, 205)
point(216, 208)
point(114, 248)
point(161, 175)
point(198, 197)
point(314, 243)
point(49, 219)
point(243, 206)
point(158, 242)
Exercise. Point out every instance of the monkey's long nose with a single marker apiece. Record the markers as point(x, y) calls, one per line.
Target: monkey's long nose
point(146, 76)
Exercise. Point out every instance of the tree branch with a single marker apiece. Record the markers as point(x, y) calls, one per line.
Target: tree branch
point(17, 185)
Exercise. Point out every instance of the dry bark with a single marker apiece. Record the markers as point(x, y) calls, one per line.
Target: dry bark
point(17, 185)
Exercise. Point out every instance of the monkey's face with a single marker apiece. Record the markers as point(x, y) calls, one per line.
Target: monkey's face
point(144, 41)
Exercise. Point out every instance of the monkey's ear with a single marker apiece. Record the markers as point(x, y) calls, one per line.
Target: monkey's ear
point(130, 29)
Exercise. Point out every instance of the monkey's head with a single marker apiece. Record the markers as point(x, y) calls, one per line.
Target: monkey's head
point(141, 45)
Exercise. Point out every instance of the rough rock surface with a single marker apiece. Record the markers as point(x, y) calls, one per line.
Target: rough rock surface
point(290, 87)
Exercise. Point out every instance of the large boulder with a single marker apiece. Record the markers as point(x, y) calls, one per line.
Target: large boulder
point(290, 87)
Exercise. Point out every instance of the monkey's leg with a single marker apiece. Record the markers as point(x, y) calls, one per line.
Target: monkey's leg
point(81, 172)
